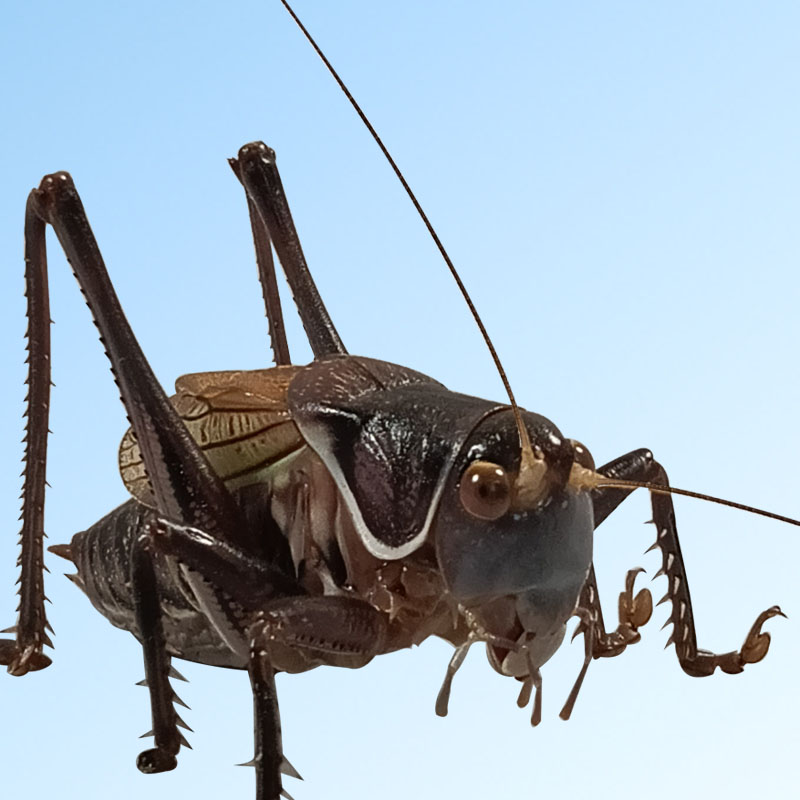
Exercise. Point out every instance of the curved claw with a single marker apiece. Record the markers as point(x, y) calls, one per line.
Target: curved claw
point(631, 575)
point(580, 628)
point(754, 649)
point(756, 644)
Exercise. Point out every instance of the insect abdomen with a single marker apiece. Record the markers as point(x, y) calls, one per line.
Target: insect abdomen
point(102, 555)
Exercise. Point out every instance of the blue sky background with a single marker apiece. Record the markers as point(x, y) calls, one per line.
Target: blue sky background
point(619, 184)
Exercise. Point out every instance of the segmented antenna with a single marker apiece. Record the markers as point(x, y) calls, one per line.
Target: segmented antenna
point(528, 458)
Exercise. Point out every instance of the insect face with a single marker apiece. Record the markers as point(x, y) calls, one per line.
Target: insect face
point(545, 544)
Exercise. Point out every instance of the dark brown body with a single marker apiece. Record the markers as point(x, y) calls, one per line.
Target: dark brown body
point(242, 422)
point(289, 518)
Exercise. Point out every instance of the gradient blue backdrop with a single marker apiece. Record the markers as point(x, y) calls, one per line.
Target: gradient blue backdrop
point(619, 184)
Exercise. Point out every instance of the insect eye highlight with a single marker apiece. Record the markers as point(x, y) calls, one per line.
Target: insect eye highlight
point(582, 455)
point(485, 490)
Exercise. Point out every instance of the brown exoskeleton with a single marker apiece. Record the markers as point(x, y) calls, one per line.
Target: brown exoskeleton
point(416, 591)
point(289, 518)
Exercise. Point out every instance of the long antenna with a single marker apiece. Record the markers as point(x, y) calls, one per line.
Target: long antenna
point(612, 483)
point(527, 451)
point(588, 479)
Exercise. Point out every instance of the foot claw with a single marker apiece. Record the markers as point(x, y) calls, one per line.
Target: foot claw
point(580, 628)
point(756, 644)
point(754, 649)
point(19, 663)
point(155, 760)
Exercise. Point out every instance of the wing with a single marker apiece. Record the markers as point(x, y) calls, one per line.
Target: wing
point(239, 418)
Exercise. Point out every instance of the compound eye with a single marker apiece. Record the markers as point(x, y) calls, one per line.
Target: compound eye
point(485, 490)
point(582, 455)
